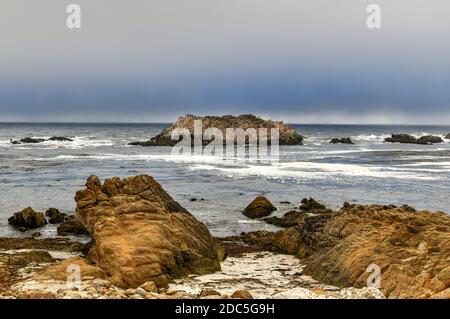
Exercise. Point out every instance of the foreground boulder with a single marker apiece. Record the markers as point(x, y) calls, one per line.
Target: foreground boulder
point(27, 219)
point(287, 135)
point(410, 248)
point(141, 234)
point(260, 207)
point(409, 139)
point(343, 140)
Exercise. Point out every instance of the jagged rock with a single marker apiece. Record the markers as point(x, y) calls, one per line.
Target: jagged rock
point(287, 135)
point(289, 219)
point(430, 139)
point(260, 207)
point(60, 139)
point(55, 216)
point(72, 226)
point(241, 294)
point(310, 205)
point(141, 234)
point(409, 247)
point(343, 140)
point(447, 137)
point(27, 219)
point(409, 139)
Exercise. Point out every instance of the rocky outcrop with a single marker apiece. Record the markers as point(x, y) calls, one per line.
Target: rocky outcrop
point(287, 135)
point(30, 140)
point(27, 219)
point(141, 234)
point(410, 248)
point(291, 218)
point(55, 216)
point(260, 207)
point(343, 140)
point(447, 137)
point(429, 139)
point(72, 226)
point(409, 139)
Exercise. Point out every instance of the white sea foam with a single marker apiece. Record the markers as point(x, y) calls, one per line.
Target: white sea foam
point(311, 170)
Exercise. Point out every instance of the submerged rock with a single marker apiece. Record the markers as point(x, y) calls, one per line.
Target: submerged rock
point(287, 135)
point(141, 234)
point(27, 219)
point(343, 140)
point(409, 139)
point(260, 207)
point(55, 216)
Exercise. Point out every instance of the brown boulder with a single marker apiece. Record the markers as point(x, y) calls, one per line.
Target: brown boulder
point(141, 234)
point(242, 294)
point(27, 219)
point(260, 207)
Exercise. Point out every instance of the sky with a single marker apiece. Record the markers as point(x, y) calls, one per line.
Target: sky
point(299, 61)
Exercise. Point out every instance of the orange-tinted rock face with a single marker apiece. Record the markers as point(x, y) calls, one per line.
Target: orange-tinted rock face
point(141, 234)
point(412, 249)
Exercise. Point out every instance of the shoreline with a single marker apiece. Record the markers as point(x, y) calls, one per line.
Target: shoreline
point(304, 250)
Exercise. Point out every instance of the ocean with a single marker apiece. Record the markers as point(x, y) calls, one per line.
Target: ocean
point(48, 174)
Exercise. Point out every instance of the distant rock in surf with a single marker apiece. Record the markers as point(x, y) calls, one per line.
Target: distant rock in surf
point(287, 135)
point(60, 139)
point(409, 139)
point(447, 137)
point(343, 140)
point(30, 140)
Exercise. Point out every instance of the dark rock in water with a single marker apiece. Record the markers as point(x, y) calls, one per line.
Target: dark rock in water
point(36, 235)
point(27, 219)
point(193, 199)
point(430, 139)
point(287, 135)
point(401, 138)
point(409, 139)
point(447, 137)
point(285, 202)
point(291, 218)
point(55, 216)
point(28, 140)
point(260, 207)
point(72, 226)
point(308, 204)
point(343, 140)
point(60, 138)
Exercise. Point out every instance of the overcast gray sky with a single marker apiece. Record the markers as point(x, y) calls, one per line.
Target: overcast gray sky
point(152, 60)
